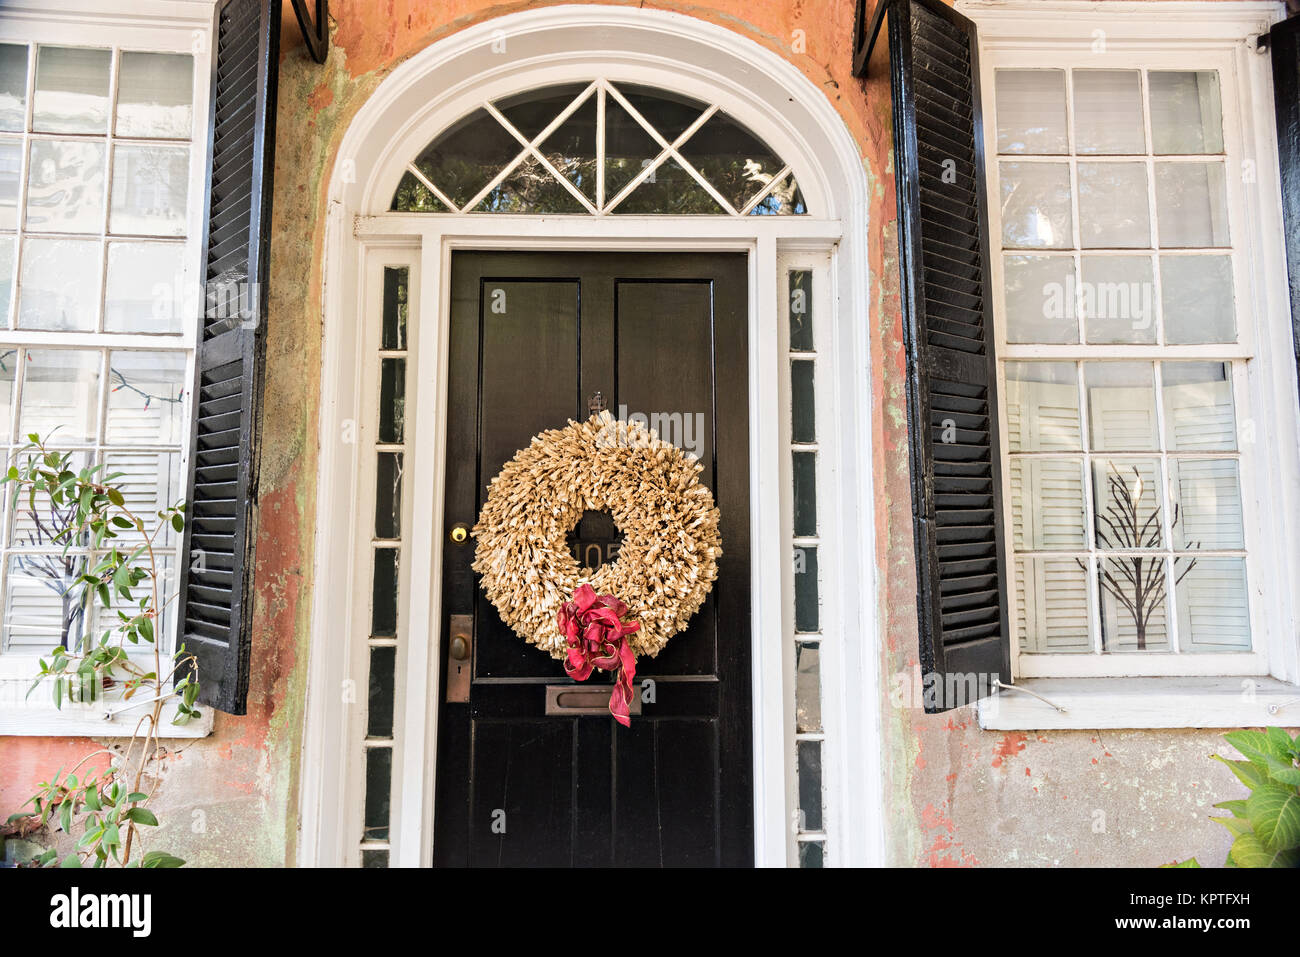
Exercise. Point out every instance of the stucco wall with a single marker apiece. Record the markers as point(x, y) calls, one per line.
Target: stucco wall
point(958, 796)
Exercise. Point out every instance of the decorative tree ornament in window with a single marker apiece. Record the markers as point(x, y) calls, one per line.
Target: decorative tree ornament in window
point(630, 607)
point(596, 148)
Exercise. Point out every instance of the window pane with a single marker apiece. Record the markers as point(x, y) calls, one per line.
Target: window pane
point(1186, 114)
point(379, 717)
point(384, 594)
point(807, 688)
point(412, 196)
point(42, 526)
point(1121, 405)
point(1036, 205)
point(1208, 499)
point(668, 112)
point(379, 783)
point(628, 148)
point(812, 854)
point(1040, 299)
point(6, 277)
point(807, 604)
point(1191, 204)
point(1052, 604)
point(467, 155)
point(1113, 206)
point(1047, 503)
point(1213, 609)
point(1134, 609)
point(154, 95)
point(1108, 112)
point(805, 493)
point(150, 186)
point(146, 398)
point(65, 187)
point(734, 161)
point(11, 162)
point(1198, 407)
point(803, 407)
point(47, 300)
point(13, 86)
point(532, 111)
point(670, 190)
point(1031, 111)
point(71, 90)
point(60, 395)
point(396, 290)
point(150, 482)
point(572, 148)
point(392, 400)
point(529, 189)
point(786, 199)
point(388, 496)
point(1042, 406)
point(1118, 299)
point(1196, 293)
point(810, 785)
point(8, 370)
point(801, 318)
point(41, 608)
point(145, 288)
point(1127, 501)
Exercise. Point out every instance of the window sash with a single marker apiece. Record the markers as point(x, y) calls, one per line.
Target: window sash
point(1095, 663)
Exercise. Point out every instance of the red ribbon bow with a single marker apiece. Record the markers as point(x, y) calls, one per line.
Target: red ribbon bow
point(596, 634)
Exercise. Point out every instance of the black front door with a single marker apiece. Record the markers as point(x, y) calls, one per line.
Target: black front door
point(533, 337)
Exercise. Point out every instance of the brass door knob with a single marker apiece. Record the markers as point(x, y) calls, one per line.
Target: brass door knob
point(459, 533)
point(459, 647)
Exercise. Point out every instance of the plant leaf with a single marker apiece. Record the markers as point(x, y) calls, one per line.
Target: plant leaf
point(142, 815)
point(1190, 862)
point(1246, 772)
point(1247, 851)
point(1237, 826)
point(1236, 808)
point(1274, 813)
point(1255, 746)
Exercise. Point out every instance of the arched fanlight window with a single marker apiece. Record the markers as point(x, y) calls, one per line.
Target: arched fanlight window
point(599, 148)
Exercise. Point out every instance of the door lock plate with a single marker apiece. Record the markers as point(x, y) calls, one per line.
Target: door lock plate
point(460, 658)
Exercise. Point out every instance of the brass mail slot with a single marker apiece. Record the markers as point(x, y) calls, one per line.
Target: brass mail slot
point(570, 700)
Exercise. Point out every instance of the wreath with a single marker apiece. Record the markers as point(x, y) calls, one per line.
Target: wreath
point(666, 564)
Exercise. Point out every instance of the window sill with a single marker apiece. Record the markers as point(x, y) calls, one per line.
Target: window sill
point(37, 717)
point(1091, 703)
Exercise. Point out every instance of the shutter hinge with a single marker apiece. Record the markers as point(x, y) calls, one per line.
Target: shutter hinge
point(865, 34)
point(997, 683)
point(315, 35)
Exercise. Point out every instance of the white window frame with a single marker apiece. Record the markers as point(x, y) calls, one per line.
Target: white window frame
point(156, 26)
point(1154, 690)
point(557, 45)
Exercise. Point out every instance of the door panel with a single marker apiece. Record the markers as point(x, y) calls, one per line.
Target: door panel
point(533, 335)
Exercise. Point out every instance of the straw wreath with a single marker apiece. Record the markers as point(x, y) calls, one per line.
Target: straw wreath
point(666, 564)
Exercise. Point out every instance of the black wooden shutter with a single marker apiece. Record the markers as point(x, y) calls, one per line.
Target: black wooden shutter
point(1284, 39)
point(948, 328)
point(216, 598)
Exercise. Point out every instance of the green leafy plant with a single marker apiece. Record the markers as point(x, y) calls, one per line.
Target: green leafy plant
point(1265, 825)
point(83, 512)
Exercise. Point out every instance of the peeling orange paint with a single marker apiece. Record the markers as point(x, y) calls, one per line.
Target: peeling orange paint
point(1010, 745)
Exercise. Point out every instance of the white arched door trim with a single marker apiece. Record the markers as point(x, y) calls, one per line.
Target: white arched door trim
point(438, 85)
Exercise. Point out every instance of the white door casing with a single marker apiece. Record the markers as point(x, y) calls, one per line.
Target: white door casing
point(421, 97)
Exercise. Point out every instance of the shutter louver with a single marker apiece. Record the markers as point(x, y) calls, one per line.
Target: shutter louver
point(217, 584)
point(947, 326)
point(1284, 42)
